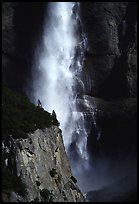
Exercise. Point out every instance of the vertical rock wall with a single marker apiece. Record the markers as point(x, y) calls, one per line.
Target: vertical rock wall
point(110, 69)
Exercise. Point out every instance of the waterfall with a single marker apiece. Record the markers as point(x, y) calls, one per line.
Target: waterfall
point(58, 72)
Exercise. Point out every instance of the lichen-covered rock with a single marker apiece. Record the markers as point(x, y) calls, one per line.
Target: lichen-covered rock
point(42, 164)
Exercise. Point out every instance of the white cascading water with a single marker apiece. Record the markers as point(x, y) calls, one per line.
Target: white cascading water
point(59, 70)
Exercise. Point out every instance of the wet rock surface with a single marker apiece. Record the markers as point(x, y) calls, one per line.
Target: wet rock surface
point(112, 124)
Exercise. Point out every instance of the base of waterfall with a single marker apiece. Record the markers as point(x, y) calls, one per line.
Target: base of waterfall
point(123, 190)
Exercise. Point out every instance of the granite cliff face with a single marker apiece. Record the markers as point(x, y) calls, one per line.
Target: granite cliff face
point(108, 99)
point(108, 96)
point(41, 163)
point(110, 76)
point(110, 69)
point(21, 30)
point(8, 41)
point(109, 79)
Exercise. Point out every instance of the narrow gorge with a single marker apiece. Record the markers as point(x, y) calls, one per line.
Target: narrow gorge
point(69, 101)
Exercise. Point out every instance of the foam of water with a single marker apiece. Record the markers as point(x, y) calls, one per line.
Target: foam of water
point(58, 71)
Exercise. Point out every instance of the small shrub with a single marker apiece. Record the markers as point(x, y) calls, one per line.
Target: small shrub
point(72, 186)
point(38, 183)
point(20, 116)
point(64, 196)
point(73, 179)
point(35, 200)
point(53, 172)
point(47, 195)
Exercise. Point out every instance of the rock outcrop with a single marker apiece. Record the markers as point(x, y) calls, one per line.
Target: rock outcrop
point(41, 163)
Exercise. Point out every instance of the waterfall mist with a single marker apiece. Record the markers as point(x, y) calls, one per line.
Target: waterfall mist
point(57, 83)
point(58, 67)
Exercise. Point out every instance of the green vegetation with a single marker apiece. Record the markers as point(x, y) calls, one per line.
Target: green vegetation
point(53, 172)
point(73, 179)
point(47, 195)
point(38, 183)
point(20, 117)
point(11, 182)
point(64, 196)
point(35, 200)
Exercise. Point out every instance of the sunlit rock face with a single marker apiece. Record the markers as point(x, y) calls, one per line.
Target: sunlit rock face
point(42, 164)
